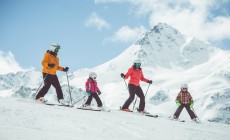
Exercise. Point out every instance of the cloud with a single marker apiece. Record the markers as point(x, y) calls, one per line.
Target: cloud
point(194, 19)
point(206, 20)
point(95, 21)
point(126, 34)
point(8, 63)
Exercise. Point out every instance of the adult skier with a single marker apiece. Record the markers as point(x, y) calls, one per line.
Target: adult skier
point(50, 64)
point(184, 99)
point(136, 75)
point(93, 91)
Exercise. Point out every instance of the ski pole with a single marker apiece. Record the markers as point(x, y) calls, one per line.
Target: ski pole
point(40, 86)
point(147, 90)
point(69, 89)
point(128, 91)
point(134, 104)
point(195, 114)
point(79, 100)
point(126, 84)
point(136, 98)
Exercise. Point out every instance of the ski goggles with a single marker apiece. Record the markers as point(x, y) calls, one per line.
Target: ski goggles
point(137, 64)
point(57, 48)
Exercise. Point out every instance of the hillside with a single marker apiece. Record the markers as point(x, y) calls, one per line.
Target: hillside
point(23, 119)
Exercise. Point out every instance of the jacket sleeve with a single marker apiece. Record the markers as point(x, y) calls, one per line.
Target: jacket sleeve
point(143, 78)
point(45, 60)
point(97, 88)
point(87, 86)
point(128, 73)
point(178, 97)
point(190, 98)
point(60, 68)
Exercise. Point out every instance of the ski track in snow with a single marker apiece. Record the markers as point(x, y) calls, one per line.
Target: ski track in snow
point(23, 119)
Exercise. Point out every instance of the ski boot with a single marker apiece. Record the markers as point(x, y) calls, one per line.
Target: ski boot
point(41, 100)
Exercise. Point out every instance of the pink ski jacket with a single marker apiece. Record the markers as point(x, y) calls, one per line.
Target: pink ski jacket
point(91, 86)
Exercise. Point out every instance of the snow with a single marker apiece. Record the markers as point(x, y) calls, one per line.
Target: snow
point(23, 119)
point(168, 58)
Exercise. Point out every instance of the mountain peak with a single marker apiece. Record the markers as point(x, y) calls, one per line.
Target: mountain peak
point(161, 32)
point(165, 46)
point(163, 26)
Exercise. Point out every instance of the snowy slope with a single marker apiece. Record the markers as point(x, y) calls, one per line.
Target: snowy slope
point(25, 120)
point(169, 59)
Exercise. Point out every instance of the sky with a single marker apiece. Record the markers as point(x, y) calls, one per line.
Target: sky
point(92, 32)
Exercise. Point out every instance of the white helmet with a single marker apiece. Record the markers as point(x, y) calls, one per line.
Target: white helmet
point(55, 46)
point(93, 75)
point(184, 86)
point(137, 61)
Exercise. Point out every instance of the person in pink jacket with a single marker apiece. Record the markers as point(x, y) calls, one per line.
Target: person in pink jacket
point(92, 90)
point(136, 75)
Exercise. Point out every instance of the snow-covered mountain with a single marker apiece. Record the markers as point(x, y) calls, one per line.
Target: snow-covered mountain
point(169, 59)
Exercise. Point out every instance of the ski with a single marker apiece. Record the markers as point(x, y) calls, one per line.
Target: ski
point(148, 115)
point(90, 109)
point(178, 120)
point(51, 104)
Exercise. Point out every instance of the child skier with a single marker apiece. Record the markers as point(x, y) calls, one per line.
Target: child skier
point(184, 99)
point(93, 91)
point(135, 74)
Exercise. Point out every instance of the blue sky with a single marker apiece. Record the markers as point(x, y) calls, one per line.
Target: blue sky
point(92, 32)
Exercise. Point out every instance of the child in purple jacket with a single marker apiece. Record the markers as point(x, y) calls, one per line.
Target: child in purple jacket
point(93, 91)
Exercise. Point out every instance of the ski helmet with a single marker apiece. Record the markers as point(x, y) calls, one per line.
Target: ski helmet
point(93, 75)
point(184, 86)
point(55, 46)
point(137, 63)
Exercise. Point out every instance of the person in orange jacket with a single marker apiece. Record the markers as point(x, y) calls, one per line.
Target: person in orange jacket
point(50, 64)
point(136, 75)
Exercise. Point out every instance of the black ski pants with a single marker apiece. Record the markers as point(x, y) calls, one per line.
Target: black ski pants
point(180, 108)
point(48, 81)
point(96, 97)
point(135, 90)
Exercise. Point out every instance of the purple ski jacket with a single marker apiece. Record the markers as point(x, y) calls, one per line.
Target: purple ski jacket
point(91, 86)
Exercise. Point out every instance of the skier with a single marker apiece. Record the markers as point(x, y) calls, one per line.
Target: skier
point(93, 91)
point(135, 74)
point(184, 99)
point(50, 65)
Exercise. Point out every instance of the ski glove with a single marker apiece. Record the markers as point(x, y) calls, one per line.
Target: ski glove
point(51, 65)
point(99, 92)
point(178, 103)
point(122, 75)
point(191, 105)
point(66, 69)
point(150, 81)
point(88, 93)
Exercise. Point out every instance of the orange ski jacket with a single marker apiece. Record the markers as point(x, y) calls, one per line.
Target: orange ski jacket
point(50, 59)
